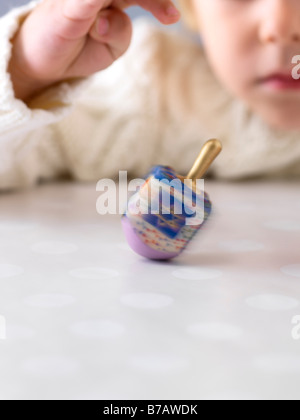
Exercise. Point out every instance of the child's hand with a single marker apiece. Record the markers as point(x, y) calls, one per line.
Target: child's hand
point(62, 39)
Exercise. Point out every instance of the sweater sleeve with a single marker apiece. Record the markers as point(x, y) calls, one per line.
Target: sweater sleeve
point(24, 126)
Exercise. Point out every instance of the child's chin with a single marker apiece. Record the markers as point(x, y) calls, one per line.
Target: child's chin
point(286, 125)
point(282, 121)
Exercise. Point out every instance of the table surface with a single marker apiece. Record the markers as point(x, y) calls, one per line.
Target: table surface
point(83, 317)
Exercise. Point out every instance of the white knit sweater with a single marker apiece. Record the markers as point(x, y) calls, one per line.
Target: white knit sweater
point(157, 104)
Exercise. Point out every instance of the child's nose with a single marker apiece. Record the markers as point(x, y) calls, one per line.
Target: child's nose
point(281, 22)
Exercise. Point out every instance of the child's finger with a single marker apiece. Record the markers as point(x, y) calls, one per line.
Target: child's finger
point(119, 31)
point(82, 9)
point(164, 10)
point(100, 52)
point(75, 17)
point(71, 20)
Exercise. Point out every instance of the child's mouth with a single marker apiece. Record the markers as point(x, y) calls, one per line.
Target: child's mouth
point(281, 82)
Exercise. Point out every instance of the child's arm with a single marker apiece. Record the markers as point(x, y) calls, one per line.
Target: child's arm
point(41, 138)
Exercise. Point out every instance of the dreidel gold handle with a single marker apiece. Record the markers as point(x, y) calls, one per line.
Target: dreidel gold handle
point(211, 149)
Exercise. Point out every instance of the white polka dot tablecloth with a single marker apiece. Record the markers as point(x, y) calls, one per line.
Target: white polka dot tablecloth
point(83, 317)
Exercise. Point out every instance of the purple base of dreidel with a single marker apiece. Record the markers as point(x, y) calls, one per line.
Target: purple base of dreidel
point(139, 247)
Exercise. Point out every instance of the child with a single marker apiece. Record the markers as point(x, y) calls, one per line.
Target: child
point(85, 97)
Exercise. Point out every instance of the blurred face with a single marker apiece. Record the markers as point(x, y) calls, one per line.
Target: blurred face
point(250, 45)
